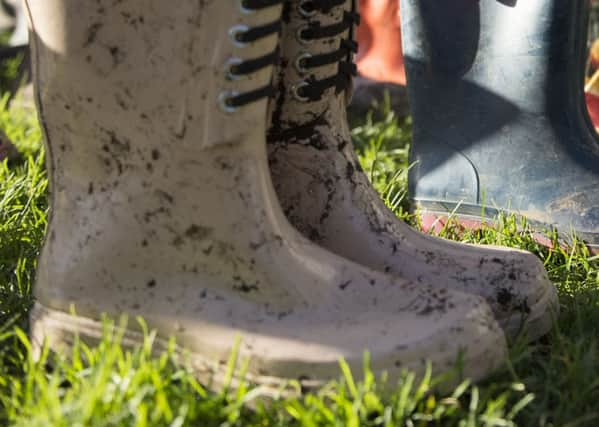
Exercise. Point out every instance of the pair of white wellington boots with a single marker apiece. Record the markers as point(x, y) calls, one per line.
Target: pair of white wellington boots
point(163, 204)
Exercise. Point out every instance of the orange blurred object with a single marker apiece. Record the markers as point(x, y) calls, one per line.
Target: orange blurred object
point(380, 56)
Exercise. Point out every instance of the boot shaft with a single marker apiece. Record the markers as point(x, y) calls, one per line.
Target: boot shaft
point(153, 116)
point(120, 97)
point(316, 66)
point(528, 54)
point(103, 61)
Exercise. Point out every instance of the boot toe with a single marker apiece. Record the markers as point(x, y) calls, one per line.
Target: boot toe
point(519, 292)
point(513, 282)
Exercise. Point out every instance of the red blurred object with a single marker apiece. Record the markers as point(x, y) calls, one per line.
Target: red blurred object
point(591, 93)
point(591, 89)
point(380, 56)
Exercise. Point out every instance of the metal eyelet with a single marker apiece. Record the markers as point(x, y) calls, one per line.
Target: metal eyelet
point(298, 62)
point(295, 91)
point(245, 10)
point(223, 101)
point(229, 74)
point(303, 11)
point(298, 35)
point(235, 31)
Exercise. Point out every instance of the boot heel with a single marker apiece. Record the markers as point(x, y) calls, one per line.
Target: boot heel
point(46, 328)
point(60, 330)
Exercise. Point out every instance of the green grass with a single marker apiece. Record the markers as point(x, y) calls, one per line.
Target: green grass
point(553, 382)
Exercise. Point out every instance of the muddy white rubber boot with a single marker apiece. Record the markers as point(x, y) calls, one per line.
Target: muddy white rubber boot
point(326, 195)
point(162, 205)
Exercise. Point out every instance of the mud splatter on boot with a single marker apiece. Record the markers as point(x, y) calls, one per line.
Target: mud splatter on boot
point(326, 195)
point(155, 120)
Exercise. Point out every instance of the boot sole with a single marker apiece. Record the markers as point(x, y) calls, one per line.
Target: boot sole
point(59, 330)
point(435, 220)
point(539, 320)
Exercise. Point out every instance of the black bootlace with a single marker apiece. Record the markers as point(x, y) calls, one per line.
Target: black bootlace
point(237, 68)
point(312, 89)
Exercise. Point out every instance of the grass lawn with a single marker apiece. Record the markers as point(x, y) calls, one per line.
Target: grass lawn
point(553, 382)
